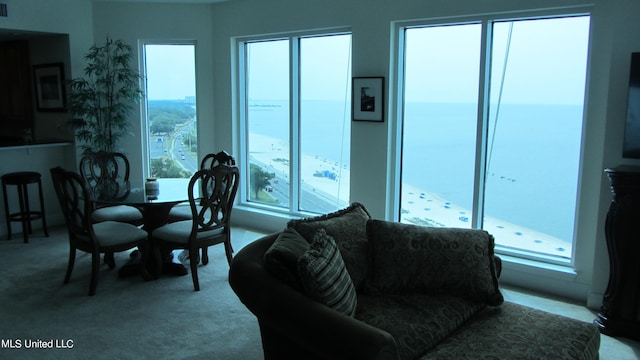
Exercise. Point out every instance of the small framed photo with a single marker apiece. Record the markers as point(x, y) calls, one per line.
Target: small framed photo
point(368, 99)
point(50, 87)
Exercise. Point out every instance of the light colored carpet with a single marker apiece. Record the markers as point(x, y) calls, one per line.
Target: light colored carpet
point(127, 318)
point(133, 319)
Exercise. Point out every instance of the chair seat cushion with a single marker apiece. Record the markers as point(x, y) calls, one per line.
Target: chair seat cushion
point(180, 231)
point(181, 212)
point(122, 213)
point(112, 233)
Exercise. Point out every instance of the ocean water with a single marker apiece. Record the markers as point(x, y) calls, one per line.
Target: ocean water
point(531, 170)
point(325, 129)
point(532, 167)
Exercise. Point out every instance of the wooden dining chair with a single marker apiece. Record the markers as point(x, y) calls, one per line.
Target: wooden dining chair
point(221, 158)
point(86, 235)
point(211, 160)
point(180, 213)
point(107, 175)
point(211, 195)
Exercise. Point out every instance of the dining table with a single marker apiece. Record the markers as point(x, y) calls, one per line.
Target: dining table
point(154, 202)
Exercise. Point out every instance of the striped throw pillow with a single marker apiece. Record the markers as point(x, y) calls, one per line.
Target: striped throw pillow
point(324, 276)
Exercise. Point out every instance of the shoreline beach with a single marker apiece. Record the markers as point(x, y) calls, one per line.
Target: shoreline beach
point(419, 207)
point(269, 151)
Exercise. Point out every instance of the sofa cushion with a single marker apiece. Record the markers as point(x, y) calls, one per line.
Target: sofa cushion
point(418, 322)
point(324, 276)
point(410, 258)
point(514, 331)
point(281, 259)
point(349, 229)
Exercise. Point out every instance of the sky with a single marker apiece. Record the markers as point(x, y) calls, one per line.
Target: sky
point(325, 68)
point(170, 71)
point(546, 64)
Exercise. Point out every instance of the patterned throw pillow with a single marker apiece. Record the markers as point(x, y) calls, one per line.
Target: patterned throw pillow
point(324, 276)
point(281, 259)
point(412, 258)
point(348, 227)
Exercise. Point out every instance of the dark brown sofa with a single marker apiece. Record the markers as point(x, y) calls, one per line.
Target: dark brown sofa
point(397, 324)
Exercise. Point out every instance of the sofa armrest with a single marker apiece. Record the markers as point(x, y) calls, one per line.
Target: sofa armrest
point(321, 331)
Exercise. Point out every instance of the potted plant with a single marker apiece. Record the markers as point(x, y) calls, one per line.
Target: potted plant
point(102, 100)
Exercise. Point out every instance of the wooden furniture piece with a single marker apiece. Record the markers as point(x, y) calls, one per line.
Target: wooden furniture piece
point(86, 235)
point(211, 195)
point(107, 175)
point(210, 161)
point(620, 311)
point(25, 215)
point(180, 213)
point(221, 158)
point(154, 208)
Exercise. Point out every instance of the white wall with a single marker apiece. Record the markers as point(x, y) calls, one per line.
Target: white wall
point(135, 22)
point(614, 37)
point(72, 17)
point(622, 30)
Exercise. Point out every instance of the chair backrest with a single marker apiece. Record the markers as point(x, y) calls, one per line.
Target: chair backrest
point(75, 201)
point(212, 160)
point(211, 196)
point(106, 174)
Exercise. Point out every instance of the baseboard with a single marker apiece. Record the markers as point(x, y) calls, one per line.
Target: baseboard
point(594, 301)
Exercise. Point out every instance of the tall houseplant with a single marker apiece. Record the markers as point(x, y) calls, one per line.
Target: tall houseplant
point(102, 100)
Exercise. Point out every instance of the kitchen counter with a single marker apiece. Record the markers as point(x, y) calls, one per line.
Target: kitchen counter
point(12, 145)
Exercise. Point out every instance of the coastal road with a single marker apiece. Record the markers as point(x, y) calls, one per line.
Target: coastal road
point(171, 146)
point(309, 201)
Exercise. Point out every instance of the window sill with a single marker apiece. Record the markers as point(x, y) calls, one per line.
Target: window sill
point(557, 279)
point(565, 272)
point(262, 219)
point(560, 280)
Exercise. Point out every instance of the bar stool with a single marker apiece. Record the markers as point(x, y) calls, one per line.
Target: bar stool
point(25, 215)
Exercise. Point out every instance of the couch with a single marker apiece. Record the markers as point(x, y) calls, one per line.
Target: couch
point(346, 286)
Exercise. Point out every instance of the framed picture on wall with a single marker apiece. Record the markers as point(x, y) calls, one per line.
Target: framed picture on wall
point(368, 99)
point(50, 87)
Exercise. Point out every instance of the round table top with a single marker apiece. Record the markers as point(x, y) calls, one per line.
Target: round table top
point(170, 191)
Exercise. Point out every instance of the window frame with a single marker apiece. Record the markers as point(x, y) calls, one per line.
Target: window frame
point(397, 104)
point(240, 49)
point(144, 121)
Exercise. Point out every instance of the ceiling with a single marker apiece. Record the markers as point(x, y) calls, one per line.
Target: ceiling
point(167, 1)
point(8, 34)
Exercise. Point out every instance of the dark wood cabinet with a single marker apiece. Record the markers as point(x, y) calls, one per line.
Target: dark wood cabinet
point(16, 104)
point(620, 311)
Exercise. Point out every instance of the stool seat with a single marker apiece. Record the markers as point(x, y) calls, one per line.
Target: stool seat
point(22, 179)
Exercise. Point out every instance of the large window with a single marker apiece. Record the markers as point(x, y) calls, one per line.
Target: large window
point(492, 126)
point(296, 112)
point(171, 110)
